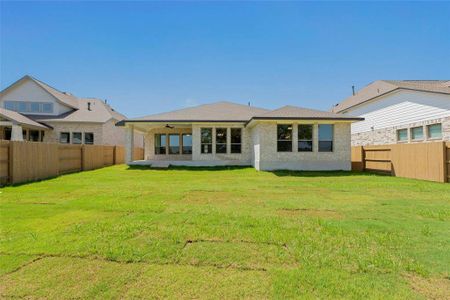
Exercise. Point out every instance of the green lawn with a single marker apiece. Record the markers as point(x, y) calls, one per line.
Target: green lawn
point(225, 233)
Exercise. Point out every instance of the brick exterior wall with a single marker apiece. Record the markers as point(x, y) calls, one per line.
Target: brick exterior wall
point(270, 159)
point(104, 133)
point(389, 135)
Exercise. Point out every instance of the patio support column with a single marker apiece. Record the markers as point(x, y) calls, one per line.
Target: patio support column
point(16, 133)
point(129, 143)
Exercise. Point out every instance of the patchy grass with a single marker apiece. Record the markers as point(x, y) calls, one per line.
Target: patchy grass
point(225, 233)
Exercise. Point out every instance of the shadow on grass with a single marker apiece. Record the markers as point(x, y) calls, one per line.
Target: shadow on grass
point(187, 168)
point(284, 173)
point(280, 173)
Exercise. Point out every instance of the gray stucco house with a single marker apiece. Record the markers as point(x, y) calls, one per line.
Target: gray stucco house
point(226, 133)
point(31, 110)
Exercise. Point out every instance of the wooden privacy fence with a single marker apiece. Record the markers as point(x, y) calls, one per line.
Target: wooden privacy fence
point(29, 161)
point(427, 161)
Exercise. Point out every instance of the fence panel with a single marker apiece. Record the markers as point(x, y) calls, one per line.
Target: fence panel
point(33, 161)
point(447, 160)
point(70, 158)
point(377, 158)
point(119, 155)
point(138, 154)
point(108, 155)
point(357, 158)
point(93, 157)
point(427, 161)
point(4, 162)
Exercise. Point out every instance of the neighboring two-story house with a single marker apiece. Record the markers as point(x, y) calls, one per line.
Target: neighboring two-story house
point(32, 110)
point(399, 111)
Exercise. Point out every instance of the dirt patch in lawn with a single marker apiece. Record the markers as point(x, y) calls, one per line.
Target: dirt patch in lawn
point(319, 213)
point(430, 288)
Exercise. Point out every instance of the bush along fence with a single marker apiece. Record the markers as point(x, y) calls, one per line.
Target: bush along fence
point(427, 161)
point(29, 161)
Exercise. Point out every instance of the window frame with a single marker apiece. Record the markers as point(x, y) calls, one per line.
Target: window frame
point(398, 135)
point(286, 141)
point(183, 146)
point(157, 137)
point(305, 140)
point(411, 132)
point(207, 144)
point(170, 144)
point(235, 145)
point(67, 140)
point(93, 138)
point(428, 131)
point(222, 146)
point(73, 138)
point(325, 140)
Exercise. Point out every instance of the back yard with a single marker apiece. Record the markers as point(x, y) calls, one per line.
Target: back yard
point(237, 233)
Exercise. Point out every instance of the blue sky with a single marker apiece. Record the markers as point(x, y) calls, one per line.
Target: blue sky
point(149, 57)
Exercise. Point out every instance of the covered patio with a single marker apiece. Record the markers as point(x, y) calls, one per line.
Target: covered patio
point(16, 127)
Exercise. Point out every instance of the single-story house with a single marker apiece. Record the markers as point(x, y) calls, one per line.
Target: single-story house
point(399, 111)
point(226, 133)
point(32, 110)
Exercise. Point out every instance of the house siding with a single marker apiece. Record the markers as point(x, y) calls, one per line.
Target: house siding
point(401, 109)
point(31, 92)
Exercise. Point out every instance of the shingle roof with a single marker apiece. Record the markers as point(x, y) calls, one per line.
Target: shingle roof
point(63, 97)
point(20, 119)
point(294, 112)
point(232, 112)
point(99, 112)
point(381, 87)
point(215, 112)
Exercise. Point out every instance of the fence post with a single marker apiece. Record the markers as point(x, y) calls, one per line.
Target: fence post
point(114, 155)
point(82, 158)
point(446, 161)
point(10, 163)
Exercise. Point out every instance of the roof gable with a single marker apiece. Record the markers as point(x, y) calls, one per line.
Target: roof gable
point(20, 119)
point(382, 87)
point(61, 97)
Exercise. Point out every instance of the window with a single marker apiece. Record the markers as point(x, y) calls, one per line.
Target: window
point(434, 131)
point(47, 107)
point(89, 138)
point(76, 138)
point(33, 135)
point(305, 138)
point(22, 106)
point(187, 143)
point(42, 135)
point(402, 135)
point(64, 138)
point(174, 144)
point(326, 137)
point(284, 138)
point(417, 133)
point(34, 107)
point(221, 140)
point(160, 143)
point(206, 140)
point(7, 133)
point(236, 140)
point(11, 105)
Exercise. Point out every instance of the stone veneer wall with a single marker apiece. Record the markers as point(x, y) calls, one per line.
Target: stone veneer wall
point(389, 135)
point(52, 136)
point(243, 158)
point(270, 159)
